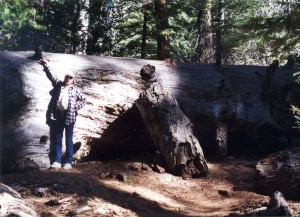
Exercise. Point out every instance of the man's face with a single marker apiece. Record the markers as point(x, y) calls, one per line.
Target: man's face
point(68, 80)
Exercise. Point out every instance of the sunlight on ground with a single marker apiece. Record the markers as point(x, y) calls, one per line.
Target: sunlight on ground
point(148, 194)
point(184, 201)
point(109, 209)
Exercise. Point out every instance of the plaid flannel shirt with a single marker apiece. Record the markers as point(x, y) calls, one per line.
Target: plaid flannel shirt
point(76, 99)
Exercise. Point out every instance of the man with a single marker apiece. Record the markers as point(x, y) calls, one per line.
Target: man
point(66, 100)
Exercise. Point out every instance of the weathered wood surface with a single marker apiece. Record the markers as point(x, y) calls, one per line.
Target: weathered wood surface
point(279, 172)
point(80, 210)
point(12, 204)
point(206, 95)
point(172, 132)
point(110, 84)
point(221, 138)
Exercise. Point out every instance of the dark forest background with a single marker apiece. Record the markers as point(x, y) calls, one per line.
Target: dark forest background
point(200, 31)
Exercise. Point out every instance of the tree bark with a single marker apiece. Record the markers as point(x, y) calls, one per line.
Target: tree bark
point(171, 131)
point(144, 32)
point(205, 48)
point(279, 172)
point(162, 25)
point(76, 26)
point(221, 138)
point(219, 32)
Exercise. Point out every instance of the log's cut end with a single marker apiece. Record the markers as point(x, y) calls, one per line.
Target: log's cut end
point(147, 72)
point(279, 172)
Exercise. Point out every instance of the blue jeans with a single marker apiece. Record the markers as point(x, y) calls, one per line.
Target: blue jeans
point(58, 130)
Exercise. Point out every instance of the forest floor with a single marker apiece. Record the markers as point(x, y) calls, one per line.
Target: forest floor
point(116, 188)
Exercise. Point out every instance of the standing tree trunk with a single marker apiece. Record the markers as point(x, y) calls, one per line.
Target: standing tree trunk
point(37, 41)
point(98, 41)
point(144, 33)
point(219, 32)
point(161, 16)
point(221, 138)
point(205, 37)
point(171, 132)
point(76, 27)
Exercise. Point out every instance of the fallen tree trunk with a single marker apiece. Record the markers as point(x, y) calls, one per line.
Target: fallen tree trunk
point(172, 132)
point(224, 104)
point(279, 172)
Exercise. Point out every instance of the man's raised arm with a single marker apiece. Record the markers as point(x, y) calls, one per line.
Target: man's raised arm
point(54, 80)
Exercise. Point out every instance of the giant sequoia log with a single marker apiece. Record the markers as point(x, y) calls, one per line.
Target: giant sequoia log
point(223, 103)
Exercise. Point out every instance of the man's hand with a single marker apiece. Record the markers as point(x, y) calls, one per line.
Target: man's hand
point(43, 61)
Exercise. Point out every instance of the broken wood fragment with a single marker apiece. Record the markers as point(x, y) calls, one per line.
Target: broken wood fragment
point(158, 169)
point(80, 210)
point(58, 202)
point(121, 176)
point(277, 207)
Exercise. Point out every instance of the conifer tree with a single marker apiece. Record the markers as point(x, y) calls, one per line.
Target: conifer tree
point(99, 39)
point(18, 23)
point(64, 24)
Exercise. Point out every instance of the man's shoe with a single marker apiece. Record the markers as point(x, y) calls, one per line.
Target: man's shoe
point(67, 166)
point(55, 165)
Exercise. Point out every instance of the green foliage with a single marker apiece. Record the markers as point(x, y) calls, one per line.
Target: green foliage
point(295, 108)
point(271, 30)
point(128, 21)
point(64, 23)
point(239, 47)
point(254, 31)
point(128, 24)
point(296, 113)
point(19, 20)
point(100, 34)
point(183, 32)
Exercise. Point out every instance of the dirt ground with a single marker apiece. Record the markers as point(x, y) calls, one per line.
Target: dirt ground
point(116, 188)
